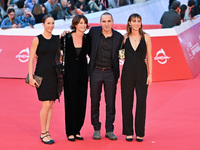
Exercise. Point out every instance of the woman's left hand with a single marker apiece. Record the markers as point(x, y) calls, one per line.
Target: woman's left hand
point(149, 79)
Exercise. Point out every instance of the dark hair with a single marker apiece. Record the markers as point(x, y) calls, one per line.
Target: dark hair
point(76, 21)
point(10, 10)
point(45, 11)
point(72, 5)
point(191, 3)
point(106, 13)
point(175, 5)
point(78, 4)
point(20, 4)
point(128, 29)
point(45, 17)
point(182, 13)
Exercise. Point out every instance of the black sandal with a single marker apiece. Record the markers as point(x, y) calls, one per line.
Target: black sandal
point(47, 132)
point(45, 142)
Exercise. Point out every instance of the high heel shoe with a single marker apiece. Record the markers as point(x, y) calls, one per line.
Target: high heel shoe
point(139, 139)
point(47, 132)
point(42, 139)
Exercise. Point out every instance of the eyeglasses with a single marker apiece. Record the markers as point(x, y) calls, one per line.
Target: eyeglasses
point(11, 14)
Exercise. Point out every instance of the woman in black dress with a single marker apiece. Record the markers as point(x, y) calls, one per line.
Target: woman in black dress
point(45, 46)
point(135, 77)
point(76, 76)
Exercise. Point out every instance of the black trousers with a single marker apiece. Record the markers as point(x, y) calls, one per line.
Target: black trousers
point(127, 89)
point(75, 106)
point(97, 79)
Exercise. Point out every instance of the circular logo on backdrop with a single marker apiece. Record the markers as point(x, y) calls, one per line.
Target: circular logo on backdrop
point(161, 57)
point(23, 55)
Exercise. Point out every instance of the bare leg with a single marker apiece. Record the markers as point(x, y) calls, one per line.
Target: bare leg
point(43, 118)
point(49, 115)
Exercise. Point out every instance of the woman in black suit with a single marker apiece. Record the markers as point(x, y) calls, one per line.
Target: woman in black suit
point(76, 76)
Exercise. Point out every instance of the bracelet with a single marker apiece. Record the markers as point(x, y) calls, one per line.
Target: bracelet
point(150, 73)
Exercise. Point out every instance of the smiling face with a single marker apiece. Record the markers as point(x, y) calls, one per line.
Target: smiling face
point(48, 24)
point(81, 26)
point(106, 22)
point(135, 23)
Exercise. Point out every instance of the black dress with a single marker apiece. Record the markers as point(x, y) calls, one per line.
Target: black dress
point(75, 84)
point(46, 67)
point(134, 76)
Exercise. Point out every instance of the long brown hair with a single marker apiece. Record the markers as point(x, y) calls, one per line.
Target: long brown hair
point(128, 29)
point(37, 10)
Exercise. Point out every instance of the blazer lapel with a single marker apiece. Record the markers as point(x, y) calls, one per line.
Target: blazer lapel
point(73, 48)
point(83, 44)
point(97, 41)
point(113, 45)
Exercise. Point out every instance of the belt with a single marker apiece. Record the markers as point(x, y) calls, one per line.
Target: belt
point(103, 68)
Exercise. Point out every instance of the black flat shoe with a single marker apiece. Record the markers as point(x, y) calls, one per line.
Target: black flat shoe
point(139, 139)
point(79, 138)
point(71, 139)
point(129, 139)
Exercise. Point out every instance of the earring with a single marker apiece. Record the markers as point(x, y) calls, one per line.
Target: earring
point(130, 26)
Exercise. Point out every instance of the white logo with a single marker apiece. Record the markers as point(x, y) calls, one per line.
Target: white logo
point(1, 50)
point(161, 57)
point(23, 55)
point(192, 49)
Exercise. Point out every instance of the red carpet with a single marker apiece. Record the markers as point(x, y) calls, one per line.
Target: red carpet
point(173, 119)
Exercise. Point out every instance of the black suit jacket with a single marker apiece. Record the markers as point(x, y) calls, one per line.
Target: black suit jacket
point(117, 41)
point(76, 67)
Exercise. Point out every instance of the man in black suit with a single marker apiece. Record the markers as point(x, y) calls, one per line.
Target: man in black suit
point(104, 70)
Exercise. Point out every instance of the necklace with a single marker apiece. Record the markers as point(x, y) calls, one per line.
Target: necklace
point(135, 40)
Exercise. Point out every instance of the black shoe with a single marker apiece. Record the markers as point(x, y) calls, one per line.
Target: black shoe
point(79, 137)
point(71, 139)
point(45, 142)
point(129, 139)
point(139, 139)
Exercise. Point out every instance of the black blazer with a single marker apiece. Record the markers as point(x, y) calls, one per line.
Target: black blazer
point(76, 67)
point(117, 41)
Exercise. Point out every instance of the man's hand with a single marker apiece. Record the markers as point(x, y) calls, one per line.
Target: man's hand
point(64, 33)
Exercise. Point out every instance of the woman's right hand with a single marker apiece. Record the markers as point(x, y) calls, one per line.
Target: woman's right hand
point(33, 82)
